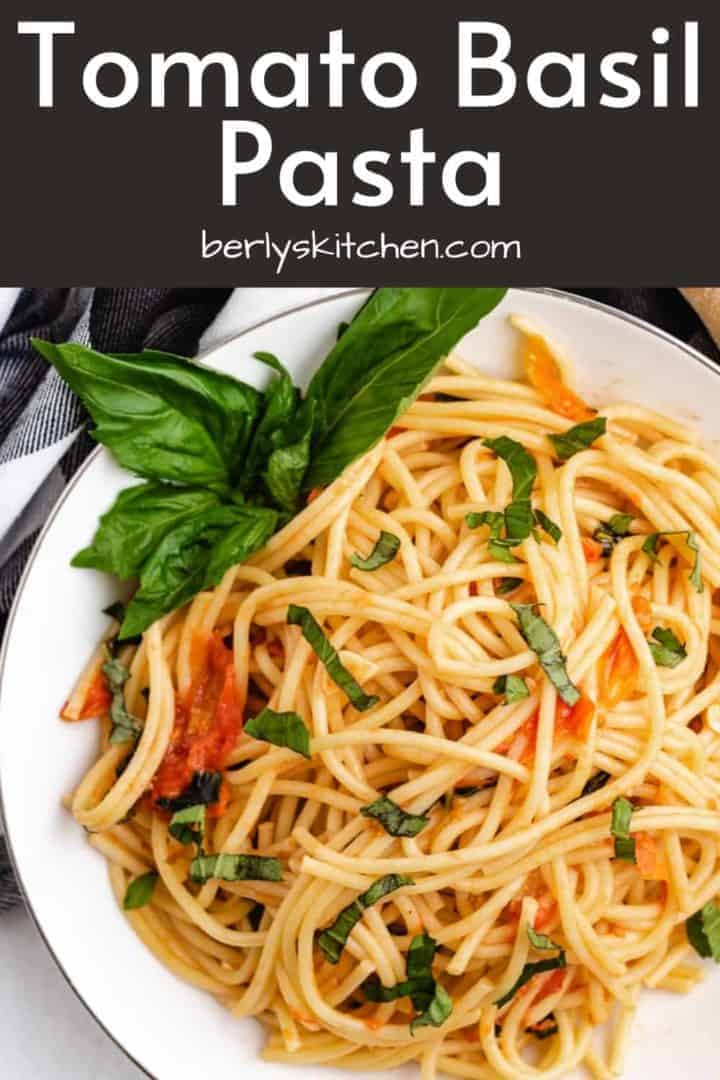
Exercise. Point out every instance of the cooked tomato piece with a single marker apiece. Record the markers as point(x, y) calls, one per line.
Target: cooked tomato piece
point(98, 698)
point(620, 670)
point(650, 858)
point(591, 549)
point(574, 719)
point(208, 720)
point(544, 373)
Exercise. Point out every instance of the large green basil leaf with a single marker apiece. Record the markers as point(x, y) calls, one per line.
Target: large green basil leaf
point(195, 556)
point(163, 417)
point(379, 366)
point(136, 523)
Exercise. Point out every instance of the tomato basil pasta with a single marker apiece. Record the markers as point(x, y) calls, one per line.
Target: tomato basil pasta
point(433, 777)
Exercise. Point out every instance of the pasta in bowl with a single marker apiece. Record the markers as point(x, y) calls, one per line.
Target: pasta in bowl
point(433, 775)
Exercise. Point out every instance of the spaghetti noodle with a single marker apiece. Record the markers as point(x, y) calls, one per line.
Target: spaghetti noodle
point(476, 868)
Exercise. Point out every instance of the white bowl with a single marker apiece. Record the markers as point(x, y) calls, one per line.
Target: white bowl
point(169, 1029)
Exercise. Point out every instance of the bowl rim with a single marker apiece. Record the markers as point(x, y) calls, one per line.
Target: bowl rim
point(205, 355)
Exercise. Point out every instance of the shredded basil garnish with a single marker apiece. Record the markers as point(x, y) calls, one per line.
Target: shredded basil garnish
point(140, 891)
point(529, 971)
point(203, 789)
point(508, 585)
point(385, 550)
point(548, 525)
point(225, 867)
point(543, 640)
point(666, 650)
point(332, 940)
point(540, 941)
point(328, 656)
point(395, 820)
point(513, 687)
point(622, 812)
point(125, 726)
point(430, 1000)
point(578, 438)
point(652, 544)
point(608, 533)
point(188, 826)
point(595, 783)
point(703, 932)
point(281, 729)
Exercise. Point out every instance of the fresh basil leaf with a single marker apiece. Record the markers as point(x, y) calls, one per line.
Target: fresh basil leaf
point(652, 545)
point(203, 790)
point(529, 971)
point(115, 611)
point(188, 826)
point(521, 464)
point(543, 640)
point(385, 549)
point(281, 729)
point(255, 915)
point(125, 726)
point(703, 932)
point(379, 366)
point(430, 1000)
point(225, 867)
point(162, 416)
point(289, 461)
point(595, 783)
point(328, 656)
point(394, 820)
point(548, 525)
point(540, 941)
point(494, 519)
point(500, 550)
point(513, 687)
point(622, 812)
point(578, 438)
point(140, 891)
point(333, 939)
point(195, 556)
point(508, 585)
point(519, 520)
point(666, 650)
point(135, 524)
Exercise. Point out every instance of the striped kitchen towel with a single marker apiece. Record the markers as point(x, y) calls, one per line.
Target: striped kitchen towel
point(43, 438)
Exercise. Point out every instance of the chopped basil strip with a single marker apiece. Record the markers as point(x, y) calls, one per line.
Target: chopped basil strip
point(327, 655)
point(622, 812)
point(203, 789)
point(652, 545)
point(508, 585)
point(255, 915)
point(529, 971)
point(543, 640)
point(125, 726)
point(595, 783)
point(520, 463)
point(332, 941)
point(578, 438)
point(519, 519)
point(500, 550)
point(281, 729)
point(495, 520)
point(666, 650)
point(703, 932)
point(140, 891)
point(548, 525)
point(226, 867)
point(385, 550)
point(540, 941)
point(394, 819)
point(188, 826)
point(513, 687)
point(609, 532)
point(544, 1028)
point(430, 1000)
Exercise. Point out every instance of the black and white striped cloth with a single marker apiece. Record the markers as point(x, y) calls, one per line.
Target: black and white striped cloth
point(43, 438)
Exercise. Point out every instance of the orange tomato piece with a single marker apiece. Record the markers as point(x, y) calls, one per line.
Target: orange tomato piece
point(620, 672)
point(649, 858)
point(574, 719)
point(642, 609)
point(544, 374)
point(591, 549)
point(98, 698)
